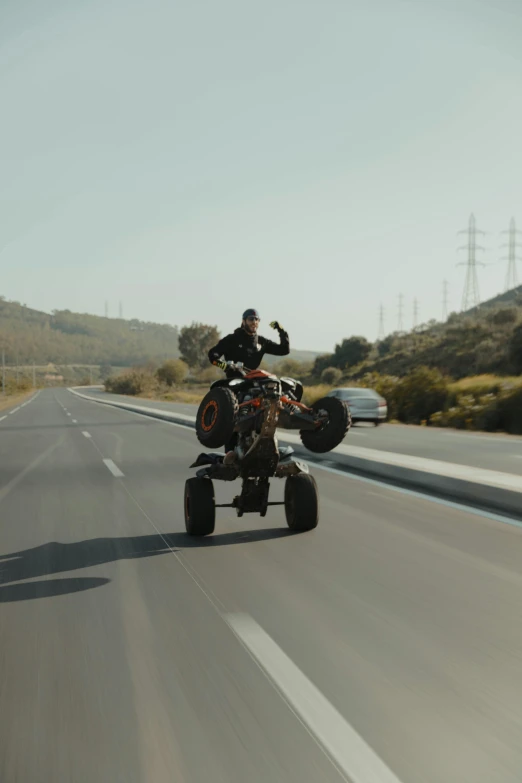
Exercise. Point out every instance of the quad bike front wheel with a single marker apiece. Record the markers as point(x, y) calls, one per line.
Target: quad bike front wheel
point(200, 507)
point(335, 420)
point(301, 502)
point(216, 417)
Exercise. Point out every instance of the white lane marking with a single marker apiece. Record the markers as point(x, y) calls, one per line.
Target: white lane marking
point(75, 421)
point(3, 417)
point(69, 414)
point(114, 469)
point(420, 495)
point(347, 474)
point(347, 749)
point(14, 411)
point(87, 434)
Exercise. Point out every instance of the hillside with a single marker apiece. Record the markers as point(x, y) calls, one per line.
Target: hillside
point(72, 338)
point(67, 338)
point(483, 340)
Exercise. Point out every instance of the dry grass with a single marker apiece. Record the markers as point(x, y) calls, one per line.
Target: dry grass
point(314, 393)
point(190, 396)
point(11, 400)
point(484, 384)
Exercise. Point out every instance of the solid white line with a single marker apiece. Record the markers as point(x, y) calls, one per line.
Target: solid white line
point(87, 434)
point(350, 753)
point(419, 495)
point(14, 411)
point(114, 469)
point(347, 474)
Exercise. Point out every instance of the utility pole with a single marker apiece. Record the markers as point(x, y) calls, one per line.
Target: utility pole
point(121, 311)
point(400, 325)
point(3, 370)
point(444, 300)
point(381, 323)
point(471, 296)
point(90, 374)
point(415, 313)
point(511, 258)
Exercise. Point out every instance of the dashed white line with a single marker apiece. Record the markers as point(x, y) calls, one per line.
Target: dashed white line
point(14, 410)
point(69, 414)
point(3, 417)
point(345, 747)
point(74, 421)
point(114, 469)
point(87, 434)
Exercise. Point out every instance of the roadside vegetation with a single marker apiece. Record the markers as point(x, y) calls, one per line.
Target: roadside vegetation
point(464, 373)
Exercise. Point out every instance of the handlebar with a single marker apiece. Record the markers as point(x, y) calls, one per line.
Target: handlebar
point(238, 366)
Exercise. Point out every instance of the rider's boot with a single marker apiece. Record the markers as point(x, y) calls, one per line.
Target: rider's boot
point(230, 454)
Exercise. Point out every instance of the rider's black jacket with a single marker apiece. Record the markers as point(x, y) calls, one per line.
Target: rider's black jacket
point(248, 348)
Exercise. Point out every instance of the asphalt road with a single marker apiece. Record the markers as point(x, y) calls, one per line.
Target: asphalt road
point(481, 450)
point(131, 653)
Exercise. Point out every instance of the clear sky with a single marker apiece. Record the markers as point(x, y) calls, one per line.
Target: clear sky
point(311, 158)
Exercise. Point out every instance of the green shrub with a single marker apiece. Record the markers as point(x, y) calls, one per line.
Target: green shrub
point(172, 372)
point(133, 382)
point(419, 394)
point(331, 376)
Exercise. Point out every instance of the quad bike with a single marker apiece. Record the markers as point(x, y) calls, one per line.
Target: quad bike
point(246, 410)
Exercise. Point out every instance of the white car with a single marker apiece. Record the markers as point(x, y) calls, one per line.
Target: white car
point(364, 404)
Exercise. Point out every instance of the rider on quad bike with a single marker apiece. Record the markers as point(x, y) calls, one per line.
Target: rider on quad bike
point(246, 346)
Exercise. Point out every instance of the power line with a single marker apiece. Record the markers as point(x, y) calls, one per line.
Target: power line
point(400, 324)
point(381, 323)
point(471, 296)
point(444, 300)
point(511, 258)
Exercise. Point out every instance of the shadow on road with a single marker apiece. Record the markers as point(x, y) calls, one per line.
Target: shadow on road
point(55, 558)
point(48, 588)
point(182, 541)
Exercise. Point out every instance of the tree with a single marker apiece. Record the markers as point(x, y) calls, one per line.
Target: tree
point(195, 341)
point(420, 393)
point(321, 363)
point(331, 376)
point(350, 352)
point(172, 372)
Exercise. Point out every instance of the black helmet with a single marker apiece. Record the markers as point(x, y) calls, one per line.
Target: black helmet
point(251, 313)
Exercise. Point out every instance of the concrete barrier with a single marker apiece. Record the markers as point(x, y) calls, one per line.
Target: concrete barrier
point(488, 489)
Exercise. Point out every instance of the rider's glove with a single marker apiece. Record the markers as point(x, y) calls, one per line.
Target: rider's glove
point(277, 325)
point(221, 365)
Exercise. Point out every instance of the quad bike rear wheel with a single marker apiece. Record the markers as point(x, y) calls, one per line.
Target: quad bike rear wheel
point(216, 417)
point(332, 431)
point(200, 507)
point(301, 502)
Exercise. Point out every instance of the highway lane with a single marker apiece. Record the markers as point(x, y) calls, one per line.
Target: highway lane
point(116, 659)
point(482, 450)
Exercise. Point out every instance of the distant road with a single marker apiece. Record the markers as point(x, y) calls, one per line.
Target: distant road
point(482, 450)
point(383, 647)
